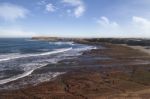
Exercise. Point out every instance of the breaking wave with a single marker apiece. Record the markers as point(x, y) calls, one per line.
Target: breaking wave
point(34, 55)
point(26, 73)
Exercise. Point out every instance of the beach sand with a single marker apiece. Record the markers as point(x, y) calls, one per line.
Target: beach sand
point(115, 72)
point(141, 48)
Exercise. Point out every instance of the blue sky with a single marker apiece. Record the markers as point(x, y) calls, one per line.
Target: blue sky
point(75, 18)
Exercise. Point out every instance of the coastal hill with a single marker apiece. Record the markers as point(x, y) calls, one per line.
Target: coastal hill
point(55, 39)
point(44, 38)
point(47, 38)
point(128, 41)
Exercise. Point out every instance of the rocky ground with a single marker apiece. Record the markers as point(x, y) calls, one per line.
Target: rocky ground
point(113, 72)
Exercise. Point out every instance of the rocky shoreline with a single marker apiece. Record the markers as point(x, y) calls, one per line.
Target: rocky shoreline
point(109, 73)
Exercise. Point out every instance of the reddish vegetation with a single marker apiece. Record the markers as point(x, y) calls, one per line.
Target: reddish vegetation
point(123, 73)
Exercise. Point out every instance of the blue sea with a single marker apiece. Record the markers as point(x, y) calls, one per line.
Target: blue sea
point(21, 57)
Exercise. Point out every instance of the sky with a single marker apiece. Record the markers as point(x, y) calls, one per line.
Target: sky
point(75, 18)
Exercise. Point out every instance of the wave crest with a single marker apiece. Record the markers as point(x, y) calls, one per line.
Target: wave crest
point(34, 55)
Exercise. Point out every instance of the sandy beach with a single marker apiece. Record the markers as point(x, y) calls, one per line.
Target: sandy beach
point(141, 48)
point(123, 73)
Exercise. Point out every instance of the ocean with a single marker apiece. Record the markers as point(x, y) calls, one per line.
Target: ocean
point(20, 57)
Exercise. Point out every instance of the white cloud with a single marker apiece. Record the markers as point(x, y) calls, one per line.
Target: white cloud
point(42, 2)
point(12, 12)
point(138, 27)
point(50, 7)
point(142, 24)
point(104, 21)
point(79, 7)
point(79, 11)
point(15, 32)
point(107, 28)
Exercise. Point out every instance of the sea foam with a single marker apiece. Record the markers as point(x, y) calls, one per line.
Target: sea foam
point(34, 55)
point(4, 81)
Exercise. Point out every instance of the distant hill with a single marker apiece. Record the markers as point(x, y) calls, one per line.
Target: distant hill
point(128, 41)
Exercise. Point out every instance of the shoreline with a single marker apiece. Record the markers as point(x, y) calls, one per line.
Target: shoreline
point(141, 48)
point(107, 80)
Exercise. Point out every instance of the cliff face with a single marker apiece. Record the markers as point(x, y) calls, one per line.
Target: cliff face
point(128, 41)
point(54, 39)
point(47, 38)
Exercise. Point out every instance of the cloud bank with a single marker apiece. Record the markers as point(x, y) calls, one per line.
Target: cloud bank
point(12, 12)
point(138, 27)
point(15, 32)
